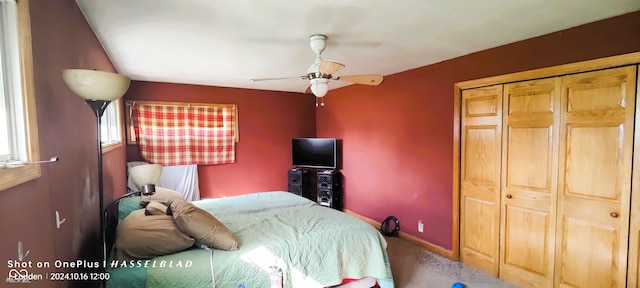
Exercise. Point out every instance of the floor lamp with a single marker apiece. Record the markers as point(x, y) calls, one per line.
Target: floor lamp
point(98, 89)
point(146, 176)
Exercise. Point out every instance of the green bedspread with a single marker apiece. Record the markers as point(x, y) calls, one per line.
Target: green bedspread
point(314, 245)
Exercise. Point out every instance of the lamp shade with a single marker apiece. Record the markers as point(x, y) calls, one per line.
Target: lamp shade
point(96, 85)
point(319, 86)
point(146, 174)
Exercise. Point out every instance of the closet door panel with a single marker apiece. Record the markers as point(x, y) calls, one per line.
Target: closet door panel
point(595, 180)
point(595, 151)
point(529, 182)
point(480, 177)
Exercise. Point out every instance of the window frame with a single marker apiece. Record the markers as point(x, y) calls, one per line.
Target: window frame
point(12, 176)
point(113, 112)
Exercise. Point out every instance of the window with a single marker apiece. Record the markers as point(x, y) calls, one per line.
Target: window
point(110, 128)
point(10, 102)
point(5, 143)
point(18, 126)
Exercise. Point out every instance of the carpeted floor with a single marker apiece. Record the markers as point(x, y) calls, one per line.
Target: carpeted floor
point(415, 267)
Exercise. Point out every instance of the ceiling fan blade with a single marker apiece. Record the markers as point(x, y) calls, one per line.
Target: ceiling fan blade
point(373, 80)
point(308, 90)
point(305, 77)
point(329, 67)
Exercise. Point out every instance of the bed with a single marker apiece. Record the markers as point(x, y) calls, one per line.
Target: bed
point(315, 246)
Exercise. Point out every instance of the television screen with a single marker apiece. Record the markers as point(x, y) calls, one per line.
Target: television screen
point(314, 152)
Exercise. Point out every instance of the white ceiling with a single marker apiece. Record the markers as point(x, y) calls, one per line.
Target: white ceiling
point(226, 43)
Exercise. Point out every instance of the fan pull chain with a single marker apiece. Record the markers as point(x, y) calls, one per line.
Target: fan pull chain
point(322, 102)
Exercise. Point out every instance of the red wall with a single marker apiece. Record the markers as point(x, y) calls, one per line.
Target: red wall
point(398, 137)
point(267, 122)
point(61, 39)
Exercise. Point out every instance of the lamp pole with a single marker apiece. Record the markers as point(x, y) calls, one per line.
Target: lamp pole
point(98, 107)
point(98, 89)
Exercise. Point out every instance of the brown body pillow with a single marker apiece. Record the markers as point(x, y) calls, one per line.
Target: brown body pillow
point(162, 195)
point(202, 226)
point(144, 237)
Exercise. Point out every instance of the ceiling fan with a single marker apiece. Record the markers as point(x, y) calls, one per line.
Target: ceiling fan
point(321, 71)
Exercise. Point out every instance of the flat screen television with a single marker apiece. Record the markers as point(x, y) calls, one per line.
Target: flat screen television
point(315, 152)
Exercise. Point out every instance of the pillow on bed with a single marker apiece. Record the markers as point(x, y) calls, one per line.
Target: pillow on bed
point(162, 195)
point(202, 226)
point(143, 237)
point(155, 208)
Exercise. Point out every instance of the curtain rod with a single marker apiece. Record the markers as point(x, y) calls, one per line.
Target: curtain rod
point(188, 104)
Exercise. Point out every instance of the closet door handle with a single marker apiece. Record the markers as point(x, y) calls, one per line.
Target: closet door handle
point(614, 214)
point(509, 196)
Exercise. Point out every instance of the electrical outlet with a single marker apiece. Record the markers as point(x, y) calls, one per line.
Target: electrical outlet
point(420, 226)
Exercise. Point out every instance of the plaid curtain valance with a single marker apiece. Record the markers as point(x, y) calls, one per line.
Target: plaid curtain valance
point(185, 134)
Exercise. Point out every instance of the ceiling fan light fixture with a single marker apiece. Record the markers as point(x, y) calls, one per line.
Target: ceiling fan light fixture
point(321, 71)
point(319, 86)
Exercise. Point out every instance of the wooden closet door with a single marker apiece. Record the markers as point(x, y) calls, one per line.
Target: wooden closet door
point(595, 179)
point(480, 177)
point(529, 182)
